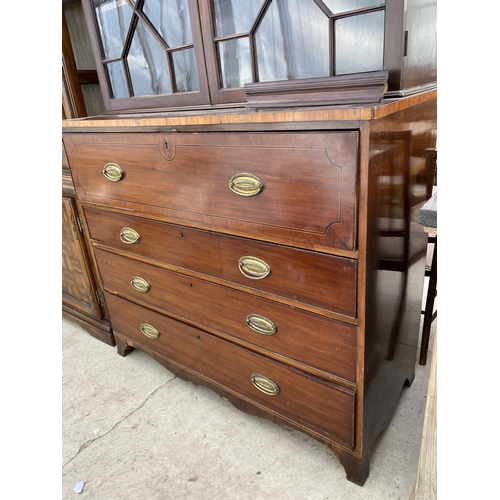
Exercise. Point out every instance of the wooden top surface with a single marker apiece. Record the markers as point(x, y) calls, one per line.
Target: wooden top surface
point(250, 116)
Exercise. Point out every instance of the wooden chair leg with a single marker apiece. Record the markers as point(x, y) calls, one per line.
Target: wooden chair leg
point(429, 306)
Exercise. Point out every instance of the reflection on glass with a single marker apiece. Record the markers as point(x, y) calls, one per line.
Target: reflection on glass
point(117, 80)
point(113, 18)
point(236, 68)
point(147, 62)
point(359, 43)
point(337, 6)
point(235, 16)
point(171, 20)
point(186, 78)
point(292, 41)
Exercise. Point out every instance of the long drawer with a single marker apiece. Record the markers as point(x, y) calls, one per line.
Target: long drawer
point(287, 332)
point(322, 406)
point(300, 186)
point(306, 277)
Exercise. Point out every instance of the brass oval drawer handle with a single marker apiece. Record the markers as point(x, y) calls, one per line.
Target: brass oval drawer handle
point(253, 268)
point(113, 172)
point(140, 284)
point(129, 236)
point(245, 184)
point(260, 324)
point(264, 384)
point(150, 331)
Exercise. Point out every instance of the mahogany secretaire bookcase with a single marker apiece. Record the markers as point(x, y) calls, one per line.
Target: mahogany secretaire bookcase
point(251, 196)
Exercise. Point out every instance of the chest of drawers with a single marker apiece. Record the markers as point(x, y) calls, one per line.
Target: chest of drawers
point(276, 259)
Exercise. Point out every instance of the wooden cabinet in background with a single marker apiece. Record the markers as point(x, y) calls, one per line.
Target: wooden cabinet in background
point(81, 297)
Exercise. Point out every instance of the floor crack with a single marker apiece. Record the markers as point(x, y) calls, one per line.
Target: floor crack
point(90, 441)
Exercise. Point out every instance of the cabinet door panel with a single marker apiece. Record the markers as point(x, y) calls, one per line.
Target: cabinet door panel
point(77, 285)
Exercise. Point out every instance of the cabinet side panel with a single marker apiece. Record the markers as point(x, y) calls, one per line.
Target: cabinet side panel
point(395, 259)
point(420, 61)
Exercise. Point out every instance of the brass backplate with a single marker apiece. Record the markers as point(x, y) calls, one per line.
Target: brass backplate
point(260, 324)
point(150, 331)
point(140, 284)
point(245, 184)
point(113, 172)
point(253, 268)
point(264, 384)
point(129, 235)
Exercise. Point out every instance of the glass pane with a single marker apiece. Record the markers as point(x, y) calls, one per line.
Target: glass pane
point(117, 80)
point(235, 66)
point(293, 41)
point(359, 43)
point(171, 20)
point(235, 16)
point(147, 62)
point(337, 6)
point(113, 18)
point(186, 78)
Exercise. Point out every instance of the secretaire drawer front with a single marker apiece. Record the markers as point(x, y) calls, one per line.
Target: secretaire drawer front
point(323, 406)
point(306, 338)
point(312, 278)
point(257, 181)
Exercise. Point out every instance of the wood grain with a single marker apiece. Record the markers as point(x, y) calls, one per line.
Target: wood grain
point(303, 277)
point(426, 484)
point(187, 176)
point(77, 286)
point(205, 117)
point(317, 404)
point(318, 344)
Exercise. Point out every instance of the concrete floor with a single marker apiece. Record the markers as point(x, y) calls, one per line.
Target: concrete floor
point(131, 430)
